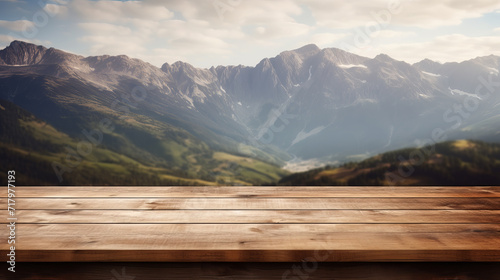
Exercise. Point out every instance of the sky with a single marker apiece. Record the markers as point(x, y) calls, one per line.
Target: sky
point(208, 33)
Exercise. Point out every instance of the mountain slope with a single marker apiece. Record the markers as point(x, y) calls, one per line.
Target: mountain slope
point(460, 163)
point(43, 155)
point(323, 105)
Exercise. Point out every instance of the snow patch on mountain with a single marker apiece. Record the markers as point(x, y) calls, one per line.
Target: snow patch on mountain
point(303, 135)
point(189, 100)
point(461, 92)
point(363, 100)
point(493, 71)
point(391, 133)
point(431, 74)
point(348, 66)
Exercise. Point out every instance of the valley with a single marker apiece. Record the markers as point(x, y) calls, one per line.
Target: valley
point(103, 120)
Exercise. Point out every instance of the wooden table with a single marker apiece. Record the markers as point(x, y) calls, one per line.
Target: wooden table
point(254, 224)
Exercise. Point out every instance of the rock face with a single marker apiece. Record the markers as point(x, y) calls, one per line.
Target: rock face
point(310, 103)
point(19, 53)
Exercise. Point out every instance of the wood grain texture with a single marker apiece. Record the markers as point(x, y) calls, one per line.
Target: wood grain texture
point(317, 203)
point(266, 237)
point(248, 192)
point(254, 224)
point(258, 216)
point(290, 256)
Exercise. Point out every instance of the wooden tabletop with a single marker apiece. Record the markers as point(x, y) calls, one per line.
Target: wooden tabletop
point(253, 224)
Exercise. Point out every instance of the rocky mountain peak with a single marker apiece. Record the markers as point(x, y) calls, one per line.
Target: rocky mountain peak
point(339, 56)
point(22, 53)
point(264, 65)
point(384, 58)
point(306, 102)
point(490, 60)
point(428, 66)
point(307, 50)
point(180, 68)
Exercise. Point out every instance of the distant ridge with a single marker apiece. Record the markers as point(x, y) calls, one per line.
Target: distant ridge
point(309, 103)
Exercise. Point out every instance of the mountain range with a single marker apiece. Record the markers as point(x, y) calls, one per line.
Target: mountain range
point(300, 109)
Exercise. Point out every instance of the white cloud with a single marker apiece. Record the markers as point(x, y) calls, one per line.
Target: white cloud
point(17, 25)
point(106, 38)
point(54, 9)
point(234, 31)
point(448, 48)
point(215, 45)
point(5, 40)
point(231, 12)
point(424, 13)
point(324, 40)
point(386, 34)
point(117, 11)
point(276, 31)
point(115, 27)
point(195, 28)
point(105, 28)
point(197, 36)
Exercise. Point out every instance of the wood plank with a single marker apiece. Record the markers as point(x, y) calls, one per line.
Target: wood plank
point(255, 224)
point(258, 216)
point(384, 237)
point(245, 192)
point(274, 271)
point(230, 242)
point(256, 203)
point(272, 256)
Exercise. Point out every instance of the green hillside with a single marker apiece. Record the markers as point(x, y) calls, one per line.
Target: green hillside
point(132, 152)
point(452, 163)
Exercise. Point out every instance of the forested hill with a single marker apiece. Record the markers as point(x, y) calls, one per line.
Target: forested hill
point(458, 163)
point(38, 152)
